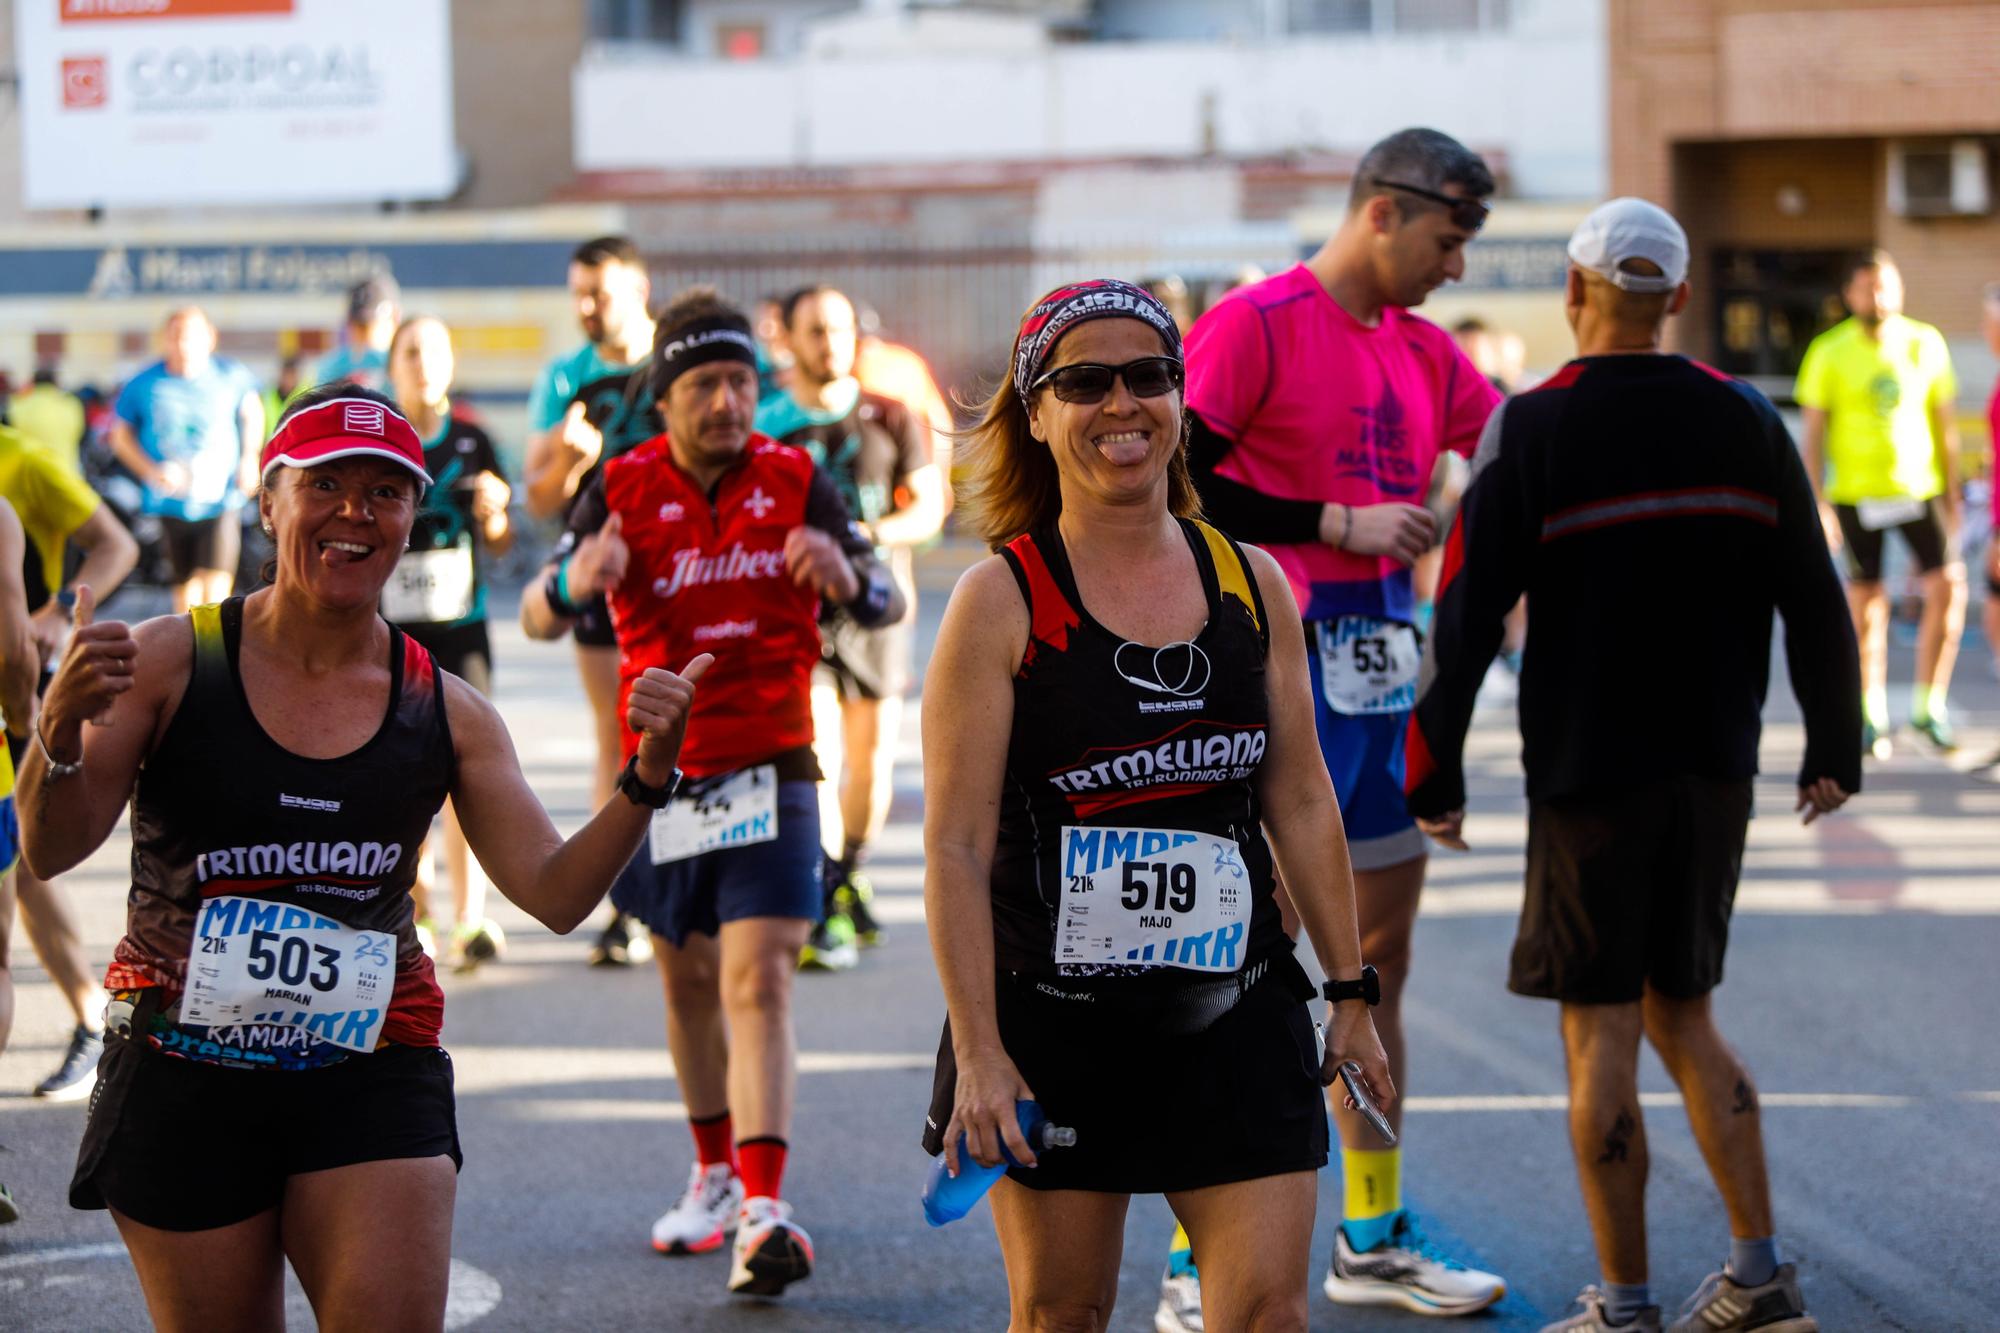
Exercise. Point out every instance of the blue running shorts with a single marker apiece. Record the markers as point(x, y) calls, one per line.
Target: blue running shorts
point(697, 894)
point(1364, 756)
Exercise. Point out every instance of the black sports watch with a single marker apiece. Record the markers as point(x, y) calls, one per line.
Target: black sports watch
point(1368, 987)
point(638, 793)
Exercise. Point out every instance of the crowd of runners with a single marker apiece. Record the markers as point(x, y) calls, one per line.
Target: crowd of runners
point(1205, 701)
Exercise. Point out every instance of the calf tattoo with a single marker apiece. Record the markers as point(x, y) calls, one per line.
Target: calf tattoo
point(1618, 1143)
point(1746, 1098)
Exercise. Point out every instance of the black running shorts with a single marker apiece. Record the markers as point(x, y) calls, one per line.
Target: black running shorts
point(1861, 546)
point(1157, 1112)
point(194, 545)
point(183, 1146)
point(1630, 888)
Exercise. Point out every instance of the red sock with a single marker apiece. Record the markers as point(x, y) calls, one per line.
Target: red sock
point(713, 1140)
point(762, 1166)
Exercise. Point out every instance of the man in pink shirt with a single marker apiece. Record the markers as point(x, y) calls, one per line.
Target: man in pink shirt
point(1319, 406)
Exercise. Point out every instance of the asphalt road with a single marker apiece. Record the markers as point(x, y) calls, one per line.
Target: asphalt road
point(1861, 989)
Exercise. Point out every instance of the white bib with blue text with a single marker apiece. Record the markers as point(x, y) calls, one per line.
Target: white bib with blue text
point(1158, 897)
point(262, 962)
point(739, 811)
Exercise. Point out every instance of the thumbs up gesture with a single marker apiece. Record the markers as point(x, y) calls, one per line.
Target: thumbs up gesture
point(98, 667)
point(600, 560)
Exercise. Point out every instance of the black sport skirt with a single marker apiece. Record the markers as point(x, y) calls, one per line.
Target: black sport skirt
point(1158, 1110)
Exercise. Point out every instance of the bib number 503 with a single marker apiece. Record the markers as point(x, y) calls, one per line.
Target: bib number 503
point(292, 960)
point(1171, 887)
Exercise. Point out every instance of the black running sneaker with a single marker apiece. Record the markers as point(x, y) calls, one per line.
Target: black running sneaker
point(624, 943)
point(77, 1074)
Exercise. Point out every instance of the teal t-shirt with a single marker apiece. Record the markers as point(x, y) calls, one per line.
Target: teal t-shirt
point(559, 381)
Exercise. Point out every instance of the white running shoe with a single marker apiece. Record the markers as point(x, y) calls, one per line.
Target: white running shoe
point(705, 1215)
point(1180, 1305)
point(1406, 1270)
point(772, 1251)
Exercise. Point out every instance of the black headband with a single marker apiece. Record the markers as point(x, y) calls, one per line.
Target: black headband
point(717, 338)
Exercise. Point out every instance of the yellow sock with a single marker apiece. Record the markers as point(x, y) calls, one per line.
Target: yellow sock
point(1374, 1186)
point(1180, 1256)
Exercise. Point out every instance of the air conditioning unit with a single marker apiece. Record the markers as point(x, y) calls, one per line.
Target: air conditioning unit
point(1940, 179)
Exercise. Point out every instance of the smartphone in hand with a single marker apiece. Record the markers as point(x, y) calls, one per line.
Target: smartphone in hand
point(1350, 1075)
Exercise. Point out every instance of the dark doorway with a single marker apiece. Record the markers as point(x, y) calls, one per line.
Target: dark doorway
point(1769, 304)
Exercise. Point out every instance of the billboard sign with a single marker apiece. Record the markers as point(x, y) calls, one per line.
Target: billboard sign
point(162, 103)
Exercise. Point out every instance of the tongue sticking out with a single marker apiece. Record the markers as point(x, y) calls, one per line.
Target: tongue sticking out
point(1124, 449)
point(338, 554)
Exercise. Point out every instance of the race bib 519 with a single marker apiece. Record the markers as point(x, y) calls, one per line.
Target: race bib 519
point(1165, 897)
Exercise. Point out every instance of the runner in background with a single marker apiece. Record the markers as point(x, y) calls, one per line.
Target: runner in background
point(1629, 490)
point(774, 358)
point(899, 372)
point(608, 281)
point(20, 674)
point(1990, 325)
point(1320, 406)
point(57, 511)
point(44, 412)
point(437, 594)
point(877, 450)
point(714, 538)
point(1881, 449)
point(374, 308)
point(189, 428)
point(291, 379)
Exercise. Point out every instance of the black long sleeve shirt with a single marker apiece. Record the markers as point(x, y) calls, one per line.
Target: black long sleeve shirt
point(1656, 513)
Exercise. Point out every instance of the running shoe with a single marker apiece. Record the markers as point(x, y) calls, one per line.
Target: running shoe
point(1936, 729)
point(1592, 1319)
point(831, 947)
point(9, 1210)
point(473, 943)
point(705, 1215)
point(1180, 1305)
point(624, 943)
point(772, 1251)
point(1875, 743)
point(1719, 1305)
point(1408, 1270)
point(77, 1074)
point(852, 898)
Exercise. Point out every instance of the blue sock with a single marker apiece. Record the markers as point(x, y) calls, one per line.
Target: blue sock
point(1752, 1263)
point(1622, 1303)
point(1364, 1234)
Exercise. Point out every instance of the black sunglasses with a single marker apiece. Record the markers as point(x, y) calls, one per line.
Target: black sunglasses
point(1089, 382)
point(1466, 214)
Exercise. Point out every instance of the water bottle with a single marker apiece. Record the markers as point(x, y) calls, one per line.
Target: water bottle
point(948, 1198)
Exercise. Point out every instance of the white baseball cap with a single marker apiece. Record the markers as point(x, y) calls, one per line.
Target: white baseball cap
point(1627, 229)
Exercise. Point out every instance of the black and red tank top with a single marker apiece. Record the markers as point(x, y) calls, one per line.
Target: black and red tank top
point(270, 922)
point(1130, 845)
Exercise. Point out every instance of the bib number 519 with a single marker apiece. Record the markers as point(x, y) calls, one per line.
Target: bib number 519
point(292, 960)
point(1172, 886)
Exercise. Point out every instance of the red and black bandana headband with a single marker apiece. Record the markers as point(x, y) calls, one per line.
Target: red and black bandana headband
point(1066, 307)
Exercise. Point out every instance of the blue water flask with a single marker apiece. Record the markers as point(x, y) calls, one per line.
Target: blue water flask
point(948, 1198)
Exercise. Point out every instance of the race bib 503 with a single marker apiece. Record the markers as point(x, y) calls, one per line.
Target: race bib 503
point(262, 962)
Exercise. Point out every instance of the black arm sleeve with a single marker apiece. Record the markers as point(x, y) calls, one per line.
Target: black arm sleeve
point(586, 515)
point(880, 602)
point(1820, 651)
point(1485, 571)
point(1247, 515)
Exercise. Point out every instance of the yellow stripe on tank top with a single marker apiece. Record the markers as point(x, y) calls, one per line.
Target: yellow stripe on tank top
point(1232, 573)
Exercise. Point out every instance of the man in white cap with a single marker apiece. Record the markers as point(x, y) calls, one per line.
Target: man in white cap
point(1656, 514)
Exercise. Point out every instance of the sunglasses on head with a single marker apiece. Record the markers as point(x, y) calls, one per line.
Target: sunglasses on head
point(1466, 214)
point(1090, 382)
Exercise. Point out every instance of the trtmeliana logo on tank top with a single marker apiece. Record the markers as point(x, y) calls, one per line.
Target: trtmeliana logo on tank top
point(692, 568)
point(279, 860)
point(1192, 756)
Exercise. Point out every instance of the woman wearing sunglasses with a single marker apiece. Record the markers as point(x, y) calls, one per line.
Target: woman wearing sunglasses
point(1118, 746)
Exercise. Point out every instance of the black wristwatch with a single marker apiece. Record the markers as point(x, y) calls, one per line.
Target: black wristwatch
point(638, 793)
point(1368, 988)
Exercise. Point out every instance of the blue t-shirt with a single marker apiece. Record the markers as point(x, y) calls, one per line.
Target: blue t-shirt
point(364, 366)
point(191, 420)
point(559, 381)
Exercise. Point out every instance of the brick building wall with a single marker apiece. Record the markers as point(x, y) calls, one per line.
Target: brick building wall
point(1718, 106)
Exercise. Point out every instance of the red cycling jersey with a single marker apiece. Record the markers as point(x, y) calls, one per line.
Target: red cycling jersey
point(707, 575)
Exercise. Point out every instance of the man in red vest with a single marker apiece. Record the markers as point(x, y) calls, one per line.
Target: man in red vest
point(713, 539)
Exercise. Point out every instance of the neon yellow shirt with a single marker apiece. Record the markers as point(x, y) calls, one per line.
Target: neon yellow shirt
point(52, 503)
point(1877, 394)
point(53, 417)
